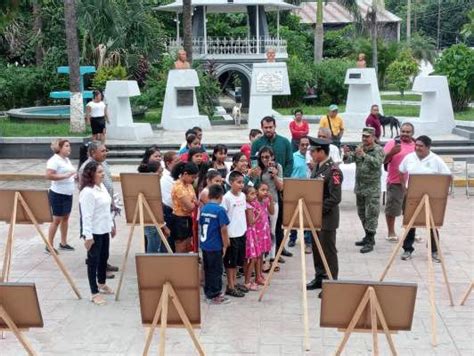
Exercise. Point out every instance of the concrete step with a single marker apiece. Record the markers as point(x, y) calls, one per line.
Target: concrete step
point(464, 131)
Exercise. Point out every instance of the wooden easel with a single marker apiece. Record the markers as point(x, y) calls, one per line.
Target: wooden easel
point(300, 212)
point(430, 226)
point(7, 259)
point(139, 214)
point(376, 314)
point(162, 310)
point(466, 295)
point(16, 331)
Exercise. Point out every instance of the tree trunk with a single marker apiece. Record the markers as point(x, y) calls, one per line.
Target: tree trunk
point(187, 29)
point(77, 123)
point(319, 33)
point(38, 31)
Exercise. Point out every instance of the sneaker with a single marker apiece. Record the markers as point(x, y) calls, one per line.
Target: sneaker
point(49, 252)
point(391, 238)
point(291, 243)
point(220, 299)
point(234, 293)
point(242, 288)
point(406, 255)
point(109, 275)
point(111, 268)
point(308, 249)
point(435, 257)
point(66, 247)
point(418, 238)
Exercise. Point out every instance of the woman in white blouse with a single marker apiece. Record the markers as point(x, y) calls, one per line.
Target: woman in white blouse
point(97, 226)
point(96, 116)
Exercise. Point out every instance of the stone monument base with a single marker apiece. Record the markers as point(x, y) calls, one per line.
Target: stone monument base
point(135, 132)
point(187, 122)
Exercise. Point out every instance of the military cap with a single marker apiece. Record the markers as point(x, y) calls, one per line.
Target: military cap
point(368, 131)
point(318, 142)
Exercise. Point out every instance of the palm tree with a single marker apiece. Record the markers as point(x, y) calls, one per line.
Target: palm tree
point(37, 29)
point(319, 33)
point(77, 123)
point(187, 29)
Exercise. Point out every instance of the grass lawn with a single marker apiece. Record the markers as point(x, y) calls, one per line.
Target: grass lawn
point(407, 97)
point(30, 129)
point(466, 115)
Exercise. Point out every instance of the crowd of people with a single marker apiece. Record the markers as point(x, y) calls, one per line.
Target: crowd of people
point(232, 214)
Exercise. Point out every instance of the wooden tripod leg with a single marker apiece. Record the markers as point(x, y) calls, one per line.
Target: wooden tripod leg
point(303, 276)
point(19, 335)
point(277, 257)
point(353, 322)
point(434, 341)
point(386, 331)
point(58, 261)
point(373, 320)
point(7, 259)
point(185, 319)
point(469, 290)
point(157, 226)
point(164, 318)
point(316, 241)
point(149, 337)
point(142, 219)
point(127, 251)
point(441, 256)
point(417, 211)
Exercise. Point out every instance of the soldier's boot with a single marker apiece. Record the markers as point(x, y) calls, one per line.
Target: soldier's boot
point(369, 246)
point(363, 241)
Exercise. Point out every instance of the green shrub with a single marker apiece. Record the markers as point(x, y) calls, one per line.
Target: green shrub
point(400, 72)
point(105, 73)
point(330, 75)
point(338, 43)
point(457, 63)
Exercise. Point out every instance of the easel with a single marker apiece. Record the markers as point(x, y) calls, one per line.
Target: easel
point(300, 212)
point(162, 310)
point(468, 292)
point(18, 198)
point(16, 331)
point(141, 205)
point(376, 314)
point(430, 226)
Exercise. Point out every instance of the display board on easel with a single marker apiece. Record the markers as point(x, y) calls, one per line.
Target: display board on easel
point(29, 207)
point(163, 278)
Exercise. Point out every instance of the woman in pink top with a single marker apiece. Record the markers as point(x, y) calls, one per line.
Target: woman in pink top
point(395, 150)
point(299, 128)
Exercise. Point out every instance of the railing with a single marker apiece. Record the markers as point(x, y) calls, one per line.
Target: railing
point(232, 46)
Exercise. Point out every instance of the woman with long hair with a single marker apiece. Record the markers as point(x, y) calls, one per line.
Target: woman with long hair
point(96, 116)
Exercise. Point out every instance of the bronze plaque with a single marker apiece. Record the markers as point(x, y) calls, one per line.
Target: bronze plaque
point(184, 97)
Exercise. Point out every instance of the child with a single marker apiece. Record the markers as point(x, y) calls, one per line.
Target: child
point(212, 177)
point(214, 238)
point(234, 203)
point(184, 202)
point(218, 159)
point(247, 148)
point(253, 246)
point(264, 207)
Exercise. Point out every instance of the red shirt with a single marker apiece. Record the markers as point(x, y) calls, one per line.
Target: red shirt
point(373, 121)
point(184, 157)
point(245, 149)
point(298, 131)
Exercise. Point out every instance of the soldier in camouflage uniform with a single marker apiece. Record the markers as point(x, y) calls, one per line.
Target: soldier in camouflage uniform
point(368, 158)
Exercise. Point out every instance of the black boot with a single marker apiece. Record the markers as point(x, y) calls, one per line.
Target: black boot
point(362, 242)
point(314, 284)
point(369, 246)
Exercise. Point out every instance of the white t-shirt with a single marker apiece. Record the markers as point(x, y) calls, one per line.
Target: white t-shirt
point(60, 166)
point(334, 154)
point(431, 164)
point(97, 109)
point(235, 207)
point(166, 184)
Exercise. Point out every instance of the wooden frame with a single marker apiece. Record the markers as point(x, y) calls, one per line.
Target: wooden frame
point(19, 201)
point(162, 277)
point(144, 213)
point(19, 311)
point(440, 184)
point(467, 293)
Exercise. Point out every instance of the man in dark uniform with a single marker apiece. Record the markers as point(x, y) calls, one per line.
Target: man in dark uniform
point(327, 170)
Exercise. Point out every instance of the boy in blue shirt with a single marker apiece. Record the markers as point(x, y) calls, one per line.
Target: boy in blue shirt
point(214, 240)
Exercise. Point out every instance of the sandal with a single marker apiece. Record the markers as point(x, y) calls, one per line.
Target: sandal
point(97, 299)
point(105, 289)
point(251, 287)
point(242, 288)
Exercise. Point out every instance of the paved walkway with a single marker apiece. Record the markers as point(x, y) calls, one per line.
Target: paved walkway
point(246, 326)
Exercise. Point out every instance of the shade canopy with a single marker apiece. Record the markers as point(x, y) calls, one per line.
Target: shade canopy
point(224, 6)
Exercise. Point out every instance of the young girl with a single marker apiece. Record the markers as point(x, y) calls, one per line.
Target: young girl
point(264, 207)
point(212, 177)
point(184, 202)
point(218, 159)
point(252, 245)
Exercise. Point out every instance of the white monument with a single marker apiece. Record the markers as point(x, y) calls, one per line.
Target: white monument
point(363, 93)
point(268, 79)
point(121, 127)
point(436, 111)
point(180, 108)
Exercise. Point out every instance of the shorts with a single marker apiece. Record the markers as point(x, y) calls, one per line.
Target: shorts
point(98, 125)
point(61, 204)
point(182, 227)
point(235, 254)
point(394, 203)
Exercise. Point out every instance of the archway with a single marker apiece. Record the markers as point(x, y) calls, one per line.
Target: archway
point(233, 75)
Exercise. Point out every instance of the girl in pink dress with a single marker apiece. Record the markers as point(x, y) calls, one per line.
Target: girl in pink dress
point(252, 245)
point(264, 207)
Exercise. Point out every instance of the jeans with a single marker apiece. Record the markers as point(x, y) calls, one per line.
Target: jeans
point(167, 215)
point(410, 239)
point(97, 258)
point(307, 236)
point(213, 270)
point(153, 240)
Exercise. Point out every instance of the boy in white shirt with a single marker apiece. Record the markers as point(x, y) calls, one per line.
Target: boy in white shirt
point(234, 203)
